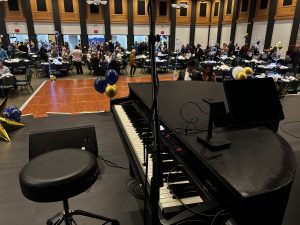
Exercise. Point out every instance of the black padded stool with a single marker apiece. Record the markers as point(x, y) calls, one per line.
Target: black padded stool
point(57, 176)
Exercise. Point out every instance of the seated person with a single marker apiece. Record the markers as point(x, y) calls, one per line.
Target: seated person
point(94, 64)
point(43, 54)
point(103, 65)
point(189, 73)
point(244, 51)
point(3, 69)
point(208, 74)
point(3, 54)
point(5, 72)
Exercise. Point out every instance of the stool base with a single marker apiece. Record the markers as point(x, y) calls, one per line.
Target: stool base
point(67, 216)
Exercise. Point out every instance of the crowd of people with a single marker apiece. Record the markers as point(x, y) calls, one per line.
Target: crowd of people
point(106, 55)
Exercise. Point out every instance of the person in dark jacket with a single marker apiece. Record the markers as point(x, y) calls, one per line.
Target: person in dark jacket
point(190, 73)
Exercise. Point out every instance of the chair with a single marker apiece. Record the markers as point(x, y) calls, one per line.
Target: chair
point(64, 69)
point(89, 66)
point(71, 67)
point(39, 71)
point(164, 66)
point(27, 82)
point(65, 173)
point(292, 87)
point(123, 67)
point(8, 83)
point(53, 69)
point(22, 66)
point(146, 66)
point(264, 56)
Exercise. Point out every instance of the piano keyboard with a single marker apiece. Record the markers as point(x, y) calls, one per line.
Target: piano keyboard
point(178, 185)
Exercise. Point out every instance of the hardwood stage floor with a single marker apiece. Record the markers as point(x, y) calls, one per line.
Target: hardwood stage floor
point(76, 96)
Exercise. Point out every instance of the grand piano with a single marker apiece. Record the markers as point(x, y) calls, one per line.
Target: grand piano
point(246, 184)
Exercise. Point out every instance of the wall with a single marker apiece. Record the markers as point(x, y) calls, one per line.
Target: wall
point(43, 22)
point(282, 32)
point(70, 28)
point(119, 29)
point(183, 34)
point(225, 35)
point(141, 30)
point(44, 28)
point(92, 27)
point(11, 26)
point(201, 35)
point(160, 27)
point(213, 35)
point(241, 30)
point(259, 32)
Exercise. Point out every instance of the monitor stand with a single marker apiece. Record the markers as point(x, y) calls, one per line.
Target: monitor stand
point(215, 143)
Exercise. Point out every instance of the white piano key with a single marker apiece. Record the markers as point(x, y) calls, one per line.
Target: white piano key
point(166, 198)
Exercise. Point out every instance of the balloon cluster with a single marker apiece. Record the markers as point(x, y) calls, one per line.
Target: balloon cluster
point(107, 84)
point(12, 113)
point(240, 73)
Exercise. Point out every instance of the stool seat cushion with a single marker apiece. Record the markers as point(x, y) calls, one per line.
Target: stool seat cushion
point(58, 175)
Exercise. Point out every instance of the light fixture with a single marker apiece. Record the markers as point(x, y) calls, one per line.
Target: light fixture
point(96, 2)
point(178, 6)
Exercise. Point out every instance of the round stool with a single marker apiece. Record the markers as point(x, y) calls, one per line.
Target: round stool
point(57, 176)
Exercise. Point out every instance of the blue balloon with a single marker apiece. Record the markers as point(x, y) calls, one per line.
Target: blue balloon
point(7, 113)
point(100, 84)
point(111, 76)
point(12, 113)
point(16, 114)
point(13, 108)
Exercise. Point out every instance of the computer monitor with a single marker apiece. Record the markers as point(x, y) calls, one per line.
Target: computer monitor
point(75, 137)
point(253, 102)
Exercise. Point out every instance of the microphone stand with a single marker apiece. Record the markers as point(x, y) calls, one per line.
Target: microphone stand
point(156, 181)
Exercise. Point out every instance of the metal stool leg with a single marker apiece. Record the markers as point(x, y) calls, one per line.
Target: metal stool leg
point(67, 216)
point(95, 216)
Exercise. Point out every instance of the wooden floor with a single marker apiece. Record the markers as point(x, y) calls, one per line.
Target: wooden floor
point(76, 96)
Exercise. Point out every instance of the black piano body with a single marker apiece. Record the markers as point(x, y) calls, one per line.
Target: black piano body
point(252, 179)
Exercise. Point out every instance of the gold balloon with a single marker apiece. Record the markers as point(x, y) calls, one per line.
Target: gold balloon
point(6, 123)
point(176, 74)
point(248, 70)
point(241, 76)
point(111, 91)
point(52, 77)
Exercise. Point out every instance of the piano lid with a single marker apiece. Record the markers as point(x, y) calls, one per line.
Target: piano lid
point(259, 160)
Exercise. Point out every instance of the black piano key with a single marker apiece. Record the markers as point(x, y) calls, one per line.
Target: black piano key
point(166, 156)
point(177, 188)
point(167, 166)
point(186, 194)
point(175, 177)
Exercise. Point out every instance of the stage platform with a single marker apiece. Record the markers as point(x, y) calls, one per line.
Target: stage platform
point(109, 195)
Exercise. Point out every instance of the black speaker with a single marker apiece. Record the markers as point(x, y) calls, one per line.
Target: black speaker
point(75, 137)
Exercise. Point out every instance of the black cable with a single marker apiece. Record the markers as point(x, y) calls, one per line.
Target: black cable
point(191, 121)
point(193, 103)
point(111, 164)
point(187, 131)
point(135, 189)
point(220, 213)
point(283, 130)
point(189, 221)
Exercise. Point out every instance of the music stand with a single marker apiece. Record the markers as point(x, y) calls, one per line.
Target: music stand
point(217, 116)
